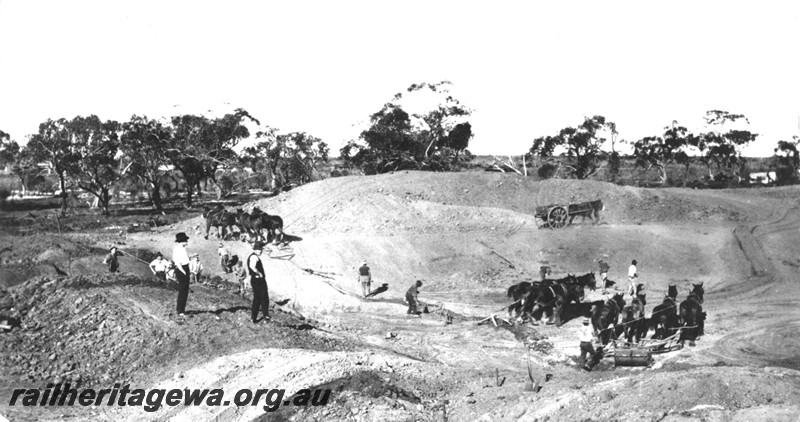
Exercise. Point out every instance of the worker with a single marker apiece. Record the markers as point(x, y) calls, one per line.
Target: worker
point(365, 278)
point(258, 281)
point(111, 260)
point(224, 257)
point(604, 267)
point(632, 276)
point(195, 268)
point(544, 271)
point(588, 340)
point(159, 267)
point(411, 298)
point(181, 259)
point(241, 276)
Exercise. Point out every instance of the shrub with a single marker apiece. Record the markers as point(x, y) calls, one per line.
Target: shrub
point(547, 170)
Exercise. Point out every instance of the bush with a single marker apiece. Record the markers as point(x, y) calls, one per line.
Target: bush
point(4, 194)
point(547, 170)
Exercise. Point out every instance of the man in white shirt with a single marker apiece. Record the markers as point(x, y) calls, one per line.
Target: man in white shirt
point(159, 267)
point(632, 276)
point(181, 259)
point(195, 268)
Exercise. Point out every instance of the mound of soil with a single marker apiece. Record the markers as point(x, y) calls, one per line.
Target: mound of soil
point(97, 330)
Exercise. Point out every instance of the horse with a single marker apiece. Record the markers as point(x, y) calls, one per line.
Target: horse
point(519, 292)
point(555, 296)
point(605, 314)
point(665, 318)
point(692, 316)
point(218, 218)
point(273, 224)
point(587, 280)
point(634, 325)
point(252, 224)
point(589, 209)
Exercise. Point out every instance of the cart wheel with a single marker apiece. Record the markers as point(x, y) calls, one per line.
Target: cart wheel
point(557, 217)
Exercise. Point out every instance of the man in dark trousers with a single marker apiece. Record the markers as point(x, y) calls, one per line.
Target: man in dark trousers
point(411, 298)
point(258, 281)
point(111, 260)
point(365, 278)
point(181, 259)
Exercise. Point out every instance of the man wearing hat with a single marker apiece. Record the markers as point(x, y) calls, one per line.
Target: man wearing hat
point(365, 277)
point(111, 260)
point(181, 259)
point(258, 281)
point(411, 297)
point(159, 267)
point(224, 257)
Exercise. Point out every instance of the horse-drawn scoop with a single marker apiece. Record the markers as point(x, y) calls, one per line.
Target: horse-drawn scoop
point(558, 216)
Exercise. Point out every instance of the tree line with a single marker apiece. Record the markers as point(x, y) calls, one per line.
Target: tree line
point(719, 148)
point(97, 155)
point(94, 155)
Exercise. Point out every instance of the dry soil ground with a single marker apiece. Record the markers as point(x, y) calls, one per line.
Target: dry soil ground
point(468, 236)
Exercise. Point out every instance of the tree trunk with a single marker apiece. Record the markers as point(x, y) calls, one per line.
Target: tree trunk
point(155, 196)
point(686, 175)
point(63, 185)
point(189, 191)
point(662, 174)
point(105, 199)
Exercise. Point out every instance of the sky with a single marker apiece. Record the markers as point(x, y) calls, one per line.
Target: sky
point(525, 68)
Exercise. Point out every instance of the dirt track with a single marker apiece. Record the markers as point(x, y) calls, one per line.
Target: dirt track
point(458, 232)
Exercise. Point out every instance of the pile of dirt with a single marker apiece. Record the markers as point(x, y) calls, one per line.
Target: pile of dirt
point(421, 202)
point(93, 330)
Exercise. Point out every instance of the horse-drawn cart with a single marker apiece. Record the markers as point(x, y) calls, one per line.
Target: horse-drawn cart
point(558, 216)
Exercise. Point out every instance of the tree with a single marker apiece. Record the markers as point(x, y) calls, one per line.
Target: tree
point(301, 154)
point(721, 147)
point(52, 146)
point(582, 145)
point(436, 138)
point(200, 146)
point(8, 150)
point(658, 152)
point(95, 144)
point(265, 155)
point(289, 158)
point(144, 145)
point(787, 161)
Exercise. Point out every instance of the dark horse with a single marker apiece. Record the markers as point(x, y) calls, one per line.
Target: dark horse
point(587, 280)
point(519, 292)
point(665, 316)
point(605, 316)
point(218, 218)
point(692, 316)
point(634, 325)
point(273, 224)
point(586, 209)
point(251, 224)
point(556, 296)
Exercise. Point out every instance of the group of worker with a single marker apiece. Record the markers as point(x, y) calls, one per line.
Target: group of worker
point(590, 346)
point(412, 294)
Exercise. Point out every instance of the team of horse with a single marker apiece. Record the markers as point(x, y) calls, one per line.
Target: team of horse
point(253, 223)
point(549, 296)
point(612, 317)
